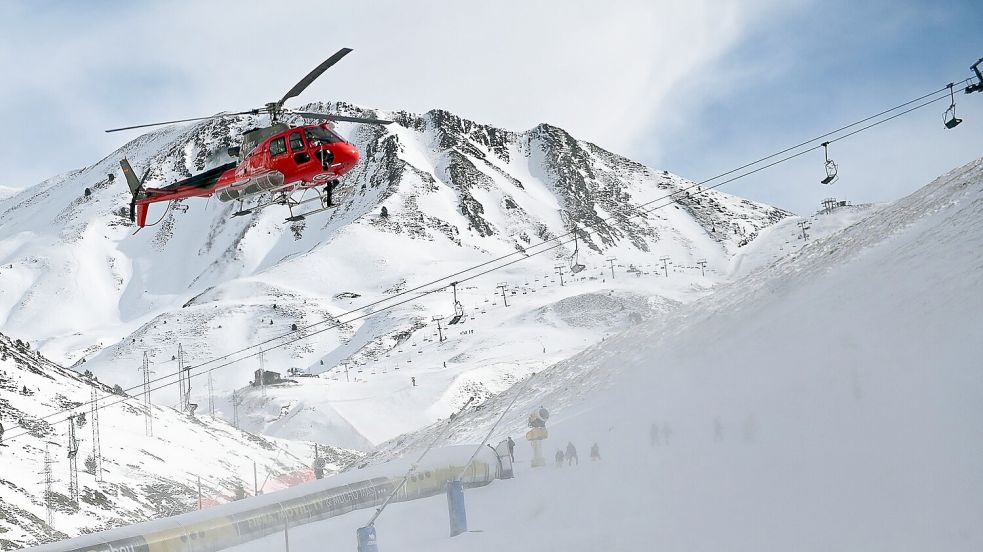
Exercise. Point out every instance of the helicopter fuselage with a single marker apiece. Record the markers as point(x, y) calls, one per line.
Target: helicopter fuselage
point(287, 160)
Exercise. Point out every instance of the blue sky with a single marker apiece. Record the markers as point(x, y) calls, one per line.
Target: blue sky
point(696, 87)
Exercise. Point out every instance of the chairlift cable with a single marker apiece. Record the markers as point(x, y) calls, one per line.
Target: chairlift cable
point(641, 212)
point(336, 324)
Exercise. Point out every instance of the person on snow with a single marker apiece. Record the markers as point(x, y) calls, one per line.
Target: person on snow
point(571, 454)
point(559, 458)
point(511, 448)
point(595, 452)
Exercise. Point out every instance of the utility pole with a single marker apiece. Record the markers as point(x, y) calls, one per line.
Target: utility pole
point(182, 402)
point(703, 266)
point(235, 408)
point(147, 412)
point(803, 226)
point(73, 467)
point(559, 270)
point(211, 395)
point(48, 480)
point(610, 261)
point(440, 331)
point(665, 264)
point(96, 444)
point(255, 480)
point(348, 379)
point(262, 373)
point(502, 286)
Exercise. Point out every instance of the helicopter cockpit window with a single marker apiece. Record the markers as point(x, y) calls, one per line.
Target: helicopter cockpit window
point(278, 146)
point(319, 135)
point(296, 143)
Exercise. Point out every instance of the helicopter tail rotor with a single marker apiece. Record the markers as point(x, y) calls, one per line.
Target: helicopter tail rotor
point(136, 188)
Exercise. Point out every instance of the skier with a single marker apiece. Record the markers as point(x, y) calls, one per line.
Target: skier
point(511, 448)
point(571, 454)
point(654, 435)
point(413, 381)
point(595, 452)
point(559, 458)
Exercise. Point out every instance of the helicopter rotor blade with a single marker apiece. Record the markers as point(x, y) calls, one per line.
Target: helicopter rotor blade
point(219, 116)
point(342, 118)
point(306, 81)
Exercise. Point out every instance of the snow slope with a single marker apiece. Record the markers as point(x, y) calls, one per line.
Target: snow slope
point(828, 401)
point(79, 285)
point(143, 477)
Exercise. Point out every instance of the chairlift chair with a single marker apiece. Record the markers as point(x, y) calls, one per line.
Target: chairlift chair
point(949, 119)
point(458, 307)
point(831, 175)
point(575, 265)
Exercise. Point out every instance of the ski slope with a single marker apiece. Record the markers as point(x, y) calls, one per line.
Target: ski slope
point(78, 283)
point(827, 401)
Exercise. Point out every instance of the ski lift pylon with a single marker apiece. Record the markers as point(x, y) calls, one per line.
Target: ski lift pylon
point(831, 175)
point(949, 119)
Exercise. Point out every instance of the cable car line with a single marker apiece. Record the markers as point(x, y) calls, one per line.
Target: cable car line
point(525, 252)
point(126, 398)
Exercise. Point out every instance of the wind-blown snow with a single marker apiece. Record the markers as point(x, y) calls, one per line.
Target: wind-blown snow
point(827, 401)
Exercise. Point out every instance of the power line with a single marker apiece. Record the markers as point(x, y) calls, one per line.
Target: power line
point(641, 212)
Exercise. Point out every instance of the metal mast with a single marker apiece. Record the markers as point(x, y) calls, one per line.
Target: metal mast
point(180, 378)
point(73, 468)
point(48, 480)
point(96, 443)
point(211, 395)
point(147, 411)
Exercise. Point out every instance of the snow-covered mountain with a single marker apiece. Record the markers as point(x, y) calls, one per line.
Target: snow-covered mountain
point(77, 283)
point(142, 477)
point(828, 400)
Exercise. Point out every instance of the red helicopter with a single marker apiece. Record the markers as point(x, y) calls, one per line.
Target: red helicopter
point(280, 159)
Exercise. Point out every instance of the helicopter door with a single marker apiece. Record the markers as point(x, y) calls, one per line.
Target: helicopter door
point(298, 150)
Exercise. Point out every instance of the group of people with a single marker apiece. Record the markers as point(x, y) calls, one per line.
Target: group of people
point(570, 455)
point(659, 436)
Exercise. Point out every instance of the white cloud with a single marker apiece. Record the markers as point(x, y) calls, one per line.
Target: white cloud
point(602, 71)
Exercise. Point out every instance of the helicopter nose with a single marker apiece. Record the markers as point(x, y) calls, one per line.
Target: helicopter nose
point(347, 155)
